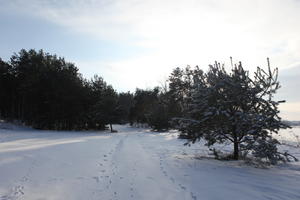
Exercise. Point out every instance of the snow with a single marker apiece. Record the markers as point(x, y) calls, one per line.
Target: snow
point(290, 137)
point(135, 164)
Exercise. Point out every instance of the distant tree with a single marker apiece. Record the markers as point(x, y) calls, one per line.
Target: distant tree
point(179, 87)
point(233, 107)
point(6, 89)
point(46, 92)
point(49, 92)
point(149, 107)
point(110, 107)
point(158, 117)
point(104, 109)
point(181, 83)
point(142, 103)
point(124, 104)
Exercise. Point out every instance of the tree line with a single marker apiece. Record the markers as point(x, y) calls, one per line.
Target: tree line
point(219, 107)
point(46, 92)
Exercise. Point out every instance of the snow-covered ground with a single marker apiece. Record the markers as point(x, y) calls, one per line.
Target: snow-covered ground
point(131, 164)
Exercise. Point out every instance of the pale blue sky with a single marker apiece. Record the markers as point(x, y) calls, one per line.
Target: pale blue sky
point(22, 30)
point(136, 43)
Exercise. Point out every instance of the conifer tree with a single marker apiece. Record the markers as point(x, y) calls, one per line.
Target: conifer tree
point(236, 108)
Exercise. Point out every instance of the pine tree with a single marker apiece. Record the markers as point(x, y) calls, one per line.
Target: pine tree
point(233, 107)
point(6, 81)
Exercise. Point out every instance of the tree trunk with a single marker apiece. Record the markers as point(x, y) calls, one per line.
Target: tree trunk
point(111, 129)
point(236, 148)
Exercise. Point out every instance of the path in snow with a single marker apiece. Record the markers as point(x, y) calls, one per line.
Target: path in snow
point(132, 164)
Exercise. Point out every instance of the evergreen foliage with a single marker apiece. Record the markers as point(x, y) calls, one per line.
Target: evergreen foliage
point(46, 92)
point(148, 108)
point(156, 107)
point(233, 107)
point(124, 105)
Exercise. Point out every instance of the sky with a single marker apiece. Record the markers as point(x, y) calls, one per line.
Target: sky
point(137, 43)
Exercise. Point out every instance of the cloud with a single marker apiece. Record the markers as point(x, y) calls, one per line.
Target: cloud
point(188, 31)
point(290, 84)
point(177, 33)
point(269, 26)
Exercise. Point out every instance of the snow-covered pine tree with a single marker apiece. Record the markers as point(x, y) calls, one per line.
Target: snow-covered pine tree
point(237, 108)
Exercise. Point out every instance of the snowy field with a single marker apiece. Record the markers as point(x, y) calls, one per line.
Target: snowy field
point(132, 164)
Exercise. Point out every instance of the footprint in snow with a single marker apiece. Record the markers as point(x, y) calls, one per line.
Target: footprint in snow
point(96, 179)
point(182, 187)
point(149, 177)
point(172, 179)
point(193, 196)
point(15, 193)
point(24, 178)
point(165, 173)
point(131, 191)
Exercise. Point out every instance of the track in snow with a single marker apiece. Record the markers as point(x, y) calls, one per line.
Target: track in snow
point(130, 165)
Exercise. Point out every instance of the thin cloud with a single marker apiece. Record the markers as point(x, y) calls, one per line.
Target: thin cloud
point(177, 33)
